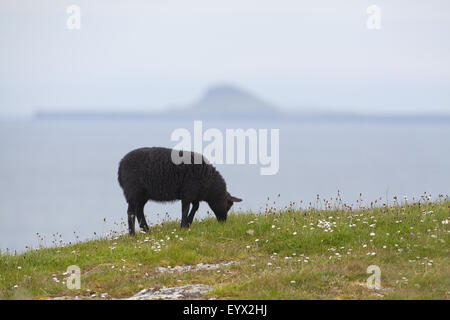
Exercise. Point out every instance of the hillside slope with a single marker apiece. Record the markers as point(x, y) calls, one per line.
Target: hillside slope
point(280, 254)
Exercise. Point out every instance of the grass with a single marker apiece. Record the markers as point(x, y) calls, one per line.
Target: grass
point(283, 254)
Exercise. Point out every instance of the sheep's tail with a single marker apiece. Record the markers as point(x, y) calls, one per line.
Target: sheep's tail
point(119, 175)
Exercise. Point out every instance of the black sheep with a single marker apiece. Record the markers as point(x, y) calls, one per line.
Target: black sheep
point(150, 174)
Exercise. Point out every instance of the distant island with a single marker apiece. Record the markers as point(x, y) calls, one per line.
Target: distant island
point(228, 101)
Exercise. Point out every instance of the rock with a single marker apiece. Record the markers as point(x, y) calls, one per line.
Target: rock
point(190, 291)
point(197, 267)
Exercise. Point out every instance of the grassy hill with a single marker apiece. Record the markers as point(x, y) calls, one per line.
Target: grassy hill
point(281, 254)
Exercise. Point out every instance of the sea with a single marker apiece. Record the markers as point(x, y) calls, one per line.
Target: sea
point(58, 177)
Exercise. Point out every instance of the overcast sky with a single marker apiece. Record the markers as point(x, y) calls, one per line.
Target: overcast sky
point(147, 55)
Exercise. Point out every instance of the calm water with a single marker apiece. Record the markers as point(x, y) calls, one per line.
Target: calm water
point(61, 176)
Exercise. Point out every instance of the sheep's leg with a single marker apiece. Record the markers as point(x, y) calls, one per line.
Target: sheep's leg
point(131, 219)
point(141, 218)
point(184, 213)
point(194, 209)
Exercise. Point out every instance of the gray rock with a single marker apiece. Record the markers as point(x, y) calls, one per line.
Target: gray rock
point(197, 267)
point(190, 291)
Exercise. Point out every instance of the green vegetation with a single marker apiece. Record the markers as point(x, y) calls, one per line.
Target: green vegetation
point(283, 254)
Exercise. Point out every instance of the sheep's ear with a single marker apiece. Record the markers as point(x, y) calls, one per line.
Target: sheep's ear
point(234, 199)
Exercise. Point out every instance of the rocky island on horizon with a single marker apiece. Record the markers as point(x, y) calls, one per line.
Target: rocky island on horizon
point(227, 101)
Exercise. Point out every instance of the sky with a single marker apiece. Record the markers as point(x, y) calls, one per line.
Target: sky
point(151, 55)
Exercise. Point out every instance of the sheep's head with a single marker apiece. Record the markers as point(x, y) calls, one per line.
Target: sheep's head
point(222, 205)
